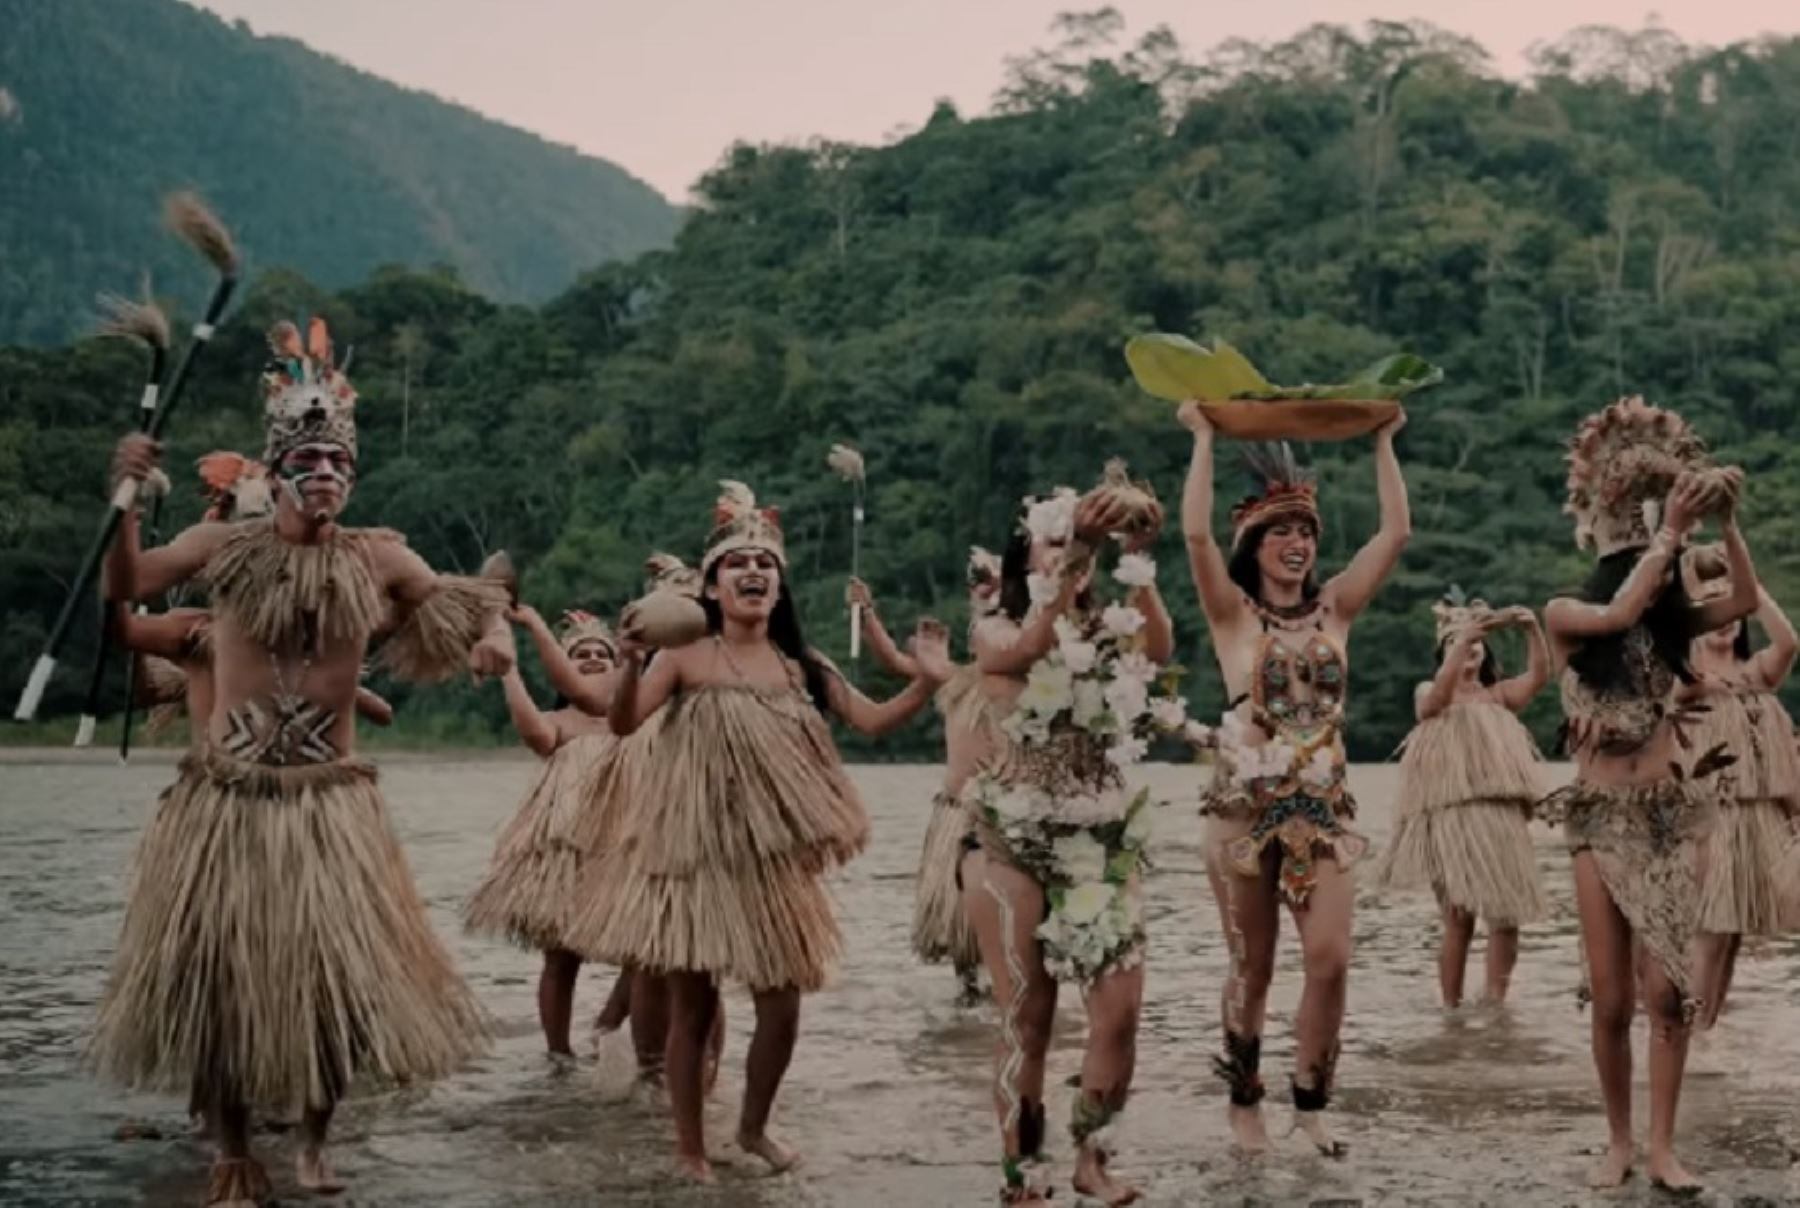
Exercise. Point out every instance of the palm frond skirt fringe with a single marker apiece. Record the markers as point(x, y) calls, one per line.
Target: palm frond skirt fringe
point(275, 949)
point(721, 864)
point(534, 881)
point(940, 929)
point(1469, 780)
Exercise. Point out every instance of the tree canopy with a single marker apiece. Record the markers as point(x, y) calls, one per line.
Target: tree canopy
point(955, 304)
point(107, 104)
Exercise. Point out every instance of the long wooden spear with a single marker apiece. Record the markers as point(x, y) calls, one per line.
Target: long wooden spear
point(144, 322)
point(189, 217)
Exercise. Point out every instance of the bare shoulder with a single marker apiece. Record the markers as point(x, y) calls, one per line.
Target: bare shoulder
point(996, 630)
point(396, 564)
point(683, 663)
point(208, 536)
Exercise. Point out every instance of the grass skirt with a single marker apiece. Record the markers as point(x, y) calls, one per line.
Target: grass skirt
point(1745, 885)
point(940, 929)
point(720, 865)
point(1477, 855)
point(1750, 864)
point(534, 882)
point(1468, 783)
point(274, 946)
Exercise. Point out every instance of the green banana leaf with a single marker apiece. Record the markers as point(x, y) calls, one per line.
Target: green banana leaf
point(1175, 368)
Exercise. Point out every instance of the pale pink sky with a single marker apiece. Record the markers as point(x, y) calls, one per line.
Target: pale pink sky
point(663, 86)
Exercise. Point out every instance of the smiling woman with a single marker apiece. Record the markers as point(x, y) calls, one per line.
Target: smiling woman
point(719, 872)
point(1279, 807)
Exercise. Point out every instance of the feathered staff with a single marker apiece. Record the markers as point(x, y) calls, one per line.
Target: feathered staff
point(188, 216)
point(144, 322)
point(848, 464)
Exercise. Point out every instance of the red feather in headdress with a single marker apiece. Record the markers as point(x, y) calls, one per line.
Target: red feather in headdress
point(318, 342)
point(220, 471)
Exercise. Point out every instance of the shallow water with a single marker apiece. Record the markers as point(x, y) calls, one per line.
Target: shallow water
point(888, 1091)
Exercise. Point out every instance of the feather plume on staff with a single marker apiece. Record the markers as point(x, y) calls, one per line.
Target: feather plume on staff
point(193, 221)
point(145, 323)
point(848, 465)
point(200, 228)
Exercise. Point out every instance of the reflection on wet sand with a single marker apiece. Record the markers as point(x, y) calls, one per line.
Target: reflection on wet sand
point(888, 1092)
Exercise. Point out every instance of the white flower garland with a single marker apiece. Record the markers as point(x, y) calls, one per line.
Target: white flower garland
point(1087, 848)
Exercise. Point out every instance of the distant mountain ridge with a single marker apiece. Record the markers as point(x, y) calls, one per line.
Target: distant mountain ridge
point(107, 104)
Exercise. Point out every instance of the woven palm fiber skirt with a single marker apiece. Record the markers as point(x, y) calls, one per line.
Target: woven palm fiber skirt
point(720, 868)
point(534, 882)
point(940, 929)
point(275, 949)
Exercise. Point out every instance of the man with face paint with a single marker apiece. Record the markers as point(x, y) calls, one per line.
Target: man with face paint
point(274, 947)
point(176, 646)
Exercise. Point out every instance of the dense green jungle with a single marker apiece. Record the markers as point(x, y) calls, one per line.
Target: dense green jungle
point(954, 303)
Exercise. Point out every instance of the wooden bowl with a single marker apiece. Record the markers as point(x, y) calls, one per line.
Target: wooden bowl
point(1300, 419)
point(668, 619)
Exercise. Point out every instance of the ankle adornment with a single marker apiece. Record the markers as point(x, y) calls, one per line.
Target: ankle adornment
point(1241, 1068)
point(1091, 1118)
point(1310, 1098)
point(1317, 1096)
point(1027, 1178)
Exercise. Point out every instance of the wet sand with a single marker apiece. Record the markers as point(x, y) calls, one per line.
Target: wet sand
point(888, 1094)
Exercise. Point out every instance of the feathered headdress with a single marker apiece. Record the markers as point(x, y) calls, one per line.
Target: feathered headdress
point(1456, 611)
point(307, 400)
point(666, 572)
point(236, 487)
point(579, 627)
point(739, 524)
point(1622, 461)
point(1280, 489)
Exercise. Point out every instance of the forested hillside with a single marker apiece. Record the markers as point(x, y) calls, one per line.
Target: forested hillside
point(107, 104)
point(955, 304)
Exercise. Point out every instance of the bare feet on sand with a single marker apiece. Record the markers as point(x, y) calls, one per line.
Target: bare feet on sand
point(1248, 1132)
point(1613, 1169)
point(313, 1172)
point(1092, 1179)
point(694, 1167)
point(1313, 1125)
point(1668, 1174)
point(779, 1157)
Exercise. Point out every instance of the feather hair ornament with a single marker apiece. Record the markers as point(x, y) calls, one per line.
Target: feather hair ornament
point(738, 523)
point(1280, 489)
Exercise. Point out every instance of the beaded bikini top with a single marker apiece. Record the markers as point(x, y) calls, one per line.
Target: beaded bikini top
point(1299, 682)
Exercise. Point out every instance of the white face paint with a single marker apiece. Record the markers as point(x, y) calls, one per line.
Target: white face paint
point(318, 479)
